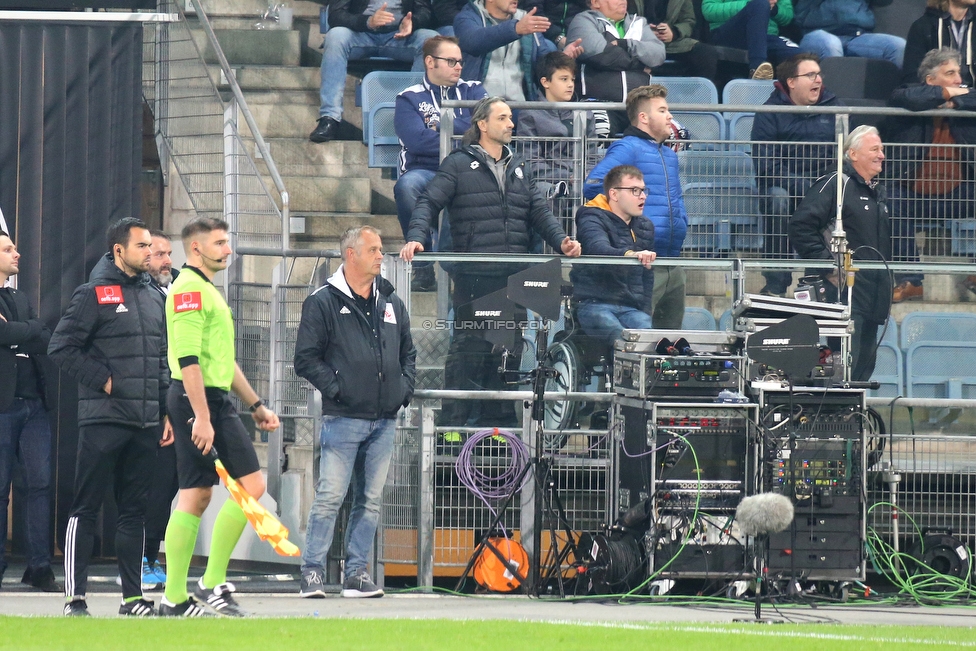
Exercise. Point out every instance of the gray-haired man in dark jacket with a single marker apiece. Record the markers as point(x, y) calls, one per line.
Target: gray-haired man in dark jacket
point(354, 346)
point(112, 340)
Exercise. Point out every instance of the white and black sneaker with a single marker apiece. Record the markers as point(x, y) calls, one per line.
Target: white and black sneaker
point(189, 608)
point(76, 608)
point(360, 586)
point(220, 599)
point(313, 586)
point(138, 608)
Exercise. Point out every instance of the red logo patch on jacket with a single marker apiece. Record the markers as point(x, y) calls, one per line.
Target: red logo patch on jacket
point(187, 302)
point(108, 294)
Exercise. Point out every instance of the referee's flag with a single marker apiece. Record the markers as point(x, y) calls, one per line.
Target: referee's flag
point(267, 526)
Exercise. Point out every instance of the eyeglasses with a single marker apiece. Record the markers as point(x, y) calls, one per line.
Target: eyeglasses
point(635, 190)
point(449, 61)
point(811, 76)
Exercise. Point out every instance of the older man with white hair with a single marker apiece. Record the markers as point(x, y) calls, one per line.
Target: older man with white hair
point(866, 222)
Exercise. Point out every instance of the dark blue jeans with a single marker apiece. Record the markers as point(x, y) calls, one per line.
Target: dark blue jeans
point(607, 321)
point(25, 436)
point(747, 30)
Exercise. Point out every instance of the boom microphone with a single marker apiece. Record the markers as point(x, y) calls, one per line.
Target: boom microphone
point(763, 514)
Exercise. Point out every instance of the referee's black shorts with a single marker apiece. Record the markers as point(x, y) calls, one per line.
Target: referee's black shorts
point(231, 439)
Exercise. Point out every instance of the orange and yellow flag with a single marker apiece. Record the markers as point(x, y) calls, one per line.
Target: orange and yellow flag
point(267, 526)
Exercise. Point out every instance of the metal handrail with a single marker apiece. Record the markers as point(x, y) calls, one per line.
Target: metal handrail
point(259, 143)
point(724, 108)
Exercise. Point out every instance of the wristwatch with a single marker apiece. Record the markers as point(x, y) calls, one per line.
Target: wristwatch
point(257, 405)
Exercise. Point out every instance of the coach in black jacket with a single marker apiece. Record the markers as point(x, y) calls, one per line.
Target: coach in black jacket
point(494, 207)
point(868, 229)
point(25, 433)
point(354, 346)
point(112, 340)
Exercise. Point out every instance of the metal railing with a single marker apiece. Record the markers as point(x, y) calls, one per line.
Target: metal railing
point(199, 133)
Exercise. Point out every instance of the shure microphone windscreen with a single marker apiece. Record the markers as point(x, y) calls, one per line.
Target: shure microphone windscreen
point(764, 514)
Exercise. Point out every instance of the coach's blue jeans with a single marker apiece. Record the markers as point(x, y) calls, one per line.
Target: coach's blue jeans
point(360, 451)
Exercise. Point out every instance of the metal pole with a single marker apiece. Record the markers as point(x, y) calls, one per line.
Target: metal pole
point(231, 175)
point(276, 443)
point(425, 505)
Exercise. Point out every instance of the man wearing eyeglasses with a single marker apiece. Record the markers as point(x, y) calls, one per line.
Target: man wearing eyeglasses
point(643, 146)
point(610, 299)
point(785, 168)
point(417, 122)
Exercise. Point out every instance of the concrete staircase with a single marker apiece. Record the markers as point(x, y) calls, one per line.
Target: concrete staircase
point(330, 185)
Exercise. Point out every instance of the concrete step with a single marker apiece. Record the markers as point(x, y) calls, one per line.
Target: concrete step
point(265, 77)
point(252, 8)
point(294, 114)
point(251, 46)
point(309, 194)
point(328, 226)
point(299, 157)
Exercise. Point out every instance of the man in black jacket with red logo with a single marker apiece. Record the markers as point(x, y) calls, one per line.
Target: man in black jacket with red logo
point(25, 434)
point(354, 346)
point(112, 340)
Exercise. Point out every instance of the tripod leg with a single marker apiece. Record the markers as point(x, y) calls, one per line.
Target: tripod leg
point(485, 539)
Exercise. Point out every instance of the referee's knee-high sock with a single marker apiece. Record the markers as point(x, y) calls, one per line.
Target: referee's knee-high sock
point(181, 537)
point(227, 530)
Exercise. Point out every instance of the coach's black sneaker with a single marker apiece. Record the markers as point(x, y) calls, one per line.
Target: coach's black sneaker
point(76, 608)
point(189, 608)
point(220, 599)
point(312, 585)
point(138, 608)
point(360, 586)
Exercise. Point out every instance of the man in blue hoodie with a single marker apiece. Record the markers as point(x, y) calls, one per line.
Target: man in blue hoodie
point(501, 44)
point(643, 147)
point(417, 121)
point(786, 171)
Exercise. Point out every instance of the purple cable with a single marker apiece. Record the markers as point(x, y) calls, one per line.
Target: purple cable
point(495, 486)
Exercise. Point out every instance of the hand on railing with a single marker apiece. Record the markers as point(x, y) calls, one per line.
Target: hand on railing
point(410, 249)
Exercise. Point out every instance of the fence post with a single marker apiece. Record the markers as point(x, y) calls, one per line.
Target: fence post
point(276, 443)
point(425, 497)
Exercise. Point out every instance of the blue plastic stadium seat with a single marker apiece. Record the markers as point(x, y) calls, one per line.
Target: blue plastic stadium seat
point(381, 87)
point(722, 201)
point(689, 90)
point(937, 327)
point(746, 91)
point(384, 146)
point(701, 125)
point(725, 321)
point(697, 318)
point(941, 370)
point(888, 371)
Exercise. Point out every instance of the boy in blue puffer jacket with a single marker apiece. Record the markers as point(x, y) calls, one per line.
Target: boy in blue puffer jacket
point(643, 147)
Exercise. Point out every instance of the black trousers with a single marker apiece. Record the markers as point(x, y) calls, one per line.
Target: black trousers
point(122, 458)
point(470, 363)
point(165, 485)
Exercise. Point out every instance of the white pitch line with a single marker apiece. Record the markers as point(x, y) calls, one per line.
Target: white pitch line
point(698, 628)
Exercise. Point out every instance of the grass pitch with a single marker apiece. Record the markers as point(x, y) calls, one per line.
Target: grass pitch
point(96, 634)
